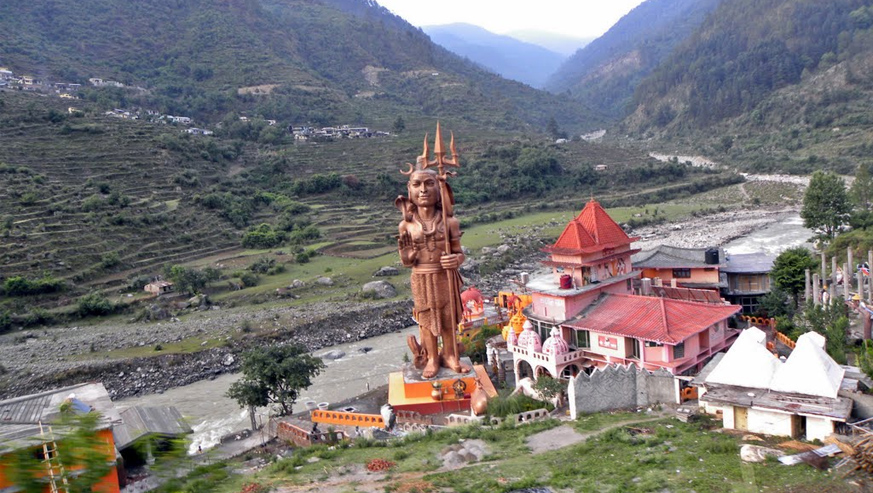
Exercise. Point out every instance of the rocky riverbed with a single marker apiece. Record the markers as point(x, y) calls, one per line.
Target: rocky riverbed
point(40, 359)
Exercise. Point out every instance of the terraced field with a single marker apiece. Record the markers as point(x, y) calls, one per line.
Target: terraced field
point(98, 201)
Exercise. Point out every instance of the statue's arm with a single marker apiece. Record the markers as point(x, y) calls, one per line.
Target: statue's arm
point(454, 259)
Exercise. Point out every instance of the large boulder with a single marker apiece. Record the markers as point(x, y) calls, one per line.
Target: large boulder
point(382, 289)
point(757, 453)
point(386, 271)
point(333, 354)
point(324, 281)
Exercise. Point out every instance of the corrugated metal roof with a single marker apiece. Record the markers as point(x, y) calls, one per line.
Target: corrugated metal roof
point(141, 421)
point(31, 409)
point(20, 416)
point(650, 318)
point(749, 263)
point(667, 257)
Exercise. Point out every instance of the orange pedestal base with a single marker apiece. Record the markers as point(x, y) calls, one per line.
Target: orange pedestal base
point(406, 392)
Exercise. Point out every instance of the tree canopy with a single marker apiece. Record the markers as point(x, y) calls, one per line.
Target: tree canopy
point(789, 270)
point(826, 204)
point(274, 375)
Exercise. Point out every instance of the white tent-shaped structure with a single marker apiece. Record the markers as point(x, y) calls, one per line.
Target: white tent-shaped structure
point(809, 370)
point(754, 391)
point(747, 363)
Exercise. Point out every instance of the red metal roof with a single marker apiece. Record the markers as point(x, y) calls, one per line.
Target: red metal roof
point(651, 318)
point(592, 230)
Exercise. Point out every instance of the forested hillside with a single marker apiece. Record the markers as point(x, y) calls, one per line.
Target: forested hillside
point(278, 59)
point(778, 84)
point(605, 73)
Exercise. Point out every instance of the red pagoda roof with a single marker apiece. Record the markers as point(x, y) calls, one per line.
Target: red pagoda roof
point(650, 318)
point(591, 231)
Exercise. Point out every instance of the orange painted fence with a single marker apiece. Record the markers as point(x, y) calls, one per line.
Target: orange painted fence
point(346, 419)
point(760, 321)
point(785, 340)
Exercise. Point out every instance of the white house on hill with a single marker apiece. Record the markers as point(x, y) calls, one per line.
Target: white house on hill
point(753, 390)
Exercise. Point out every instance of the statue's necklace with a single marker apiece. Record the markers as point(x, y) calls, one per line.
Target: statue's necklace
point(428, 230)
point(428, 227)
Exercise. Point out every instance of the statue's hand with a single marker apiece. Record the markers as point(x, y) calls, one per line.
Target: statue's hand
point(404, 241)
point(406, 246)
point(450, 261)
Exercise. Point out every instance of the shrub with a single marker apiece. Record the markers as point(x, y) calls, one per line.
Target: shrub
point(262, 265)
point(94, 304)
point(20, 286)
point(263, 236)
point(5, 321)
point(249, 279)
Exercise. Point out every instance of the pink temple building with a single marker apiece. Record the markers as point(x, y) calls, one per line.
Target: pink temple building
point(585, 314)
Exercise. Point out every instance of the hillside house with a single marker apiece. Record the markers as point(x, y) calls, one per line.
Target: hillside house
point(199, 131)
point(585, 313)
point(753, 390)
point(694, 268)
point(158, 288)
point(748, 279)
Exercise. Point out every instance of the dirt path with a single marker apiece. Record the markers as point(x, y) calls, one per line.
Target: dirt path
point(565, 435)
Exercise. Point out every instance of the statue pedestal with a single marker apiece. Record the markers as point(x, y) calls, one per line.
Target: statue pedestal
point(408, 391)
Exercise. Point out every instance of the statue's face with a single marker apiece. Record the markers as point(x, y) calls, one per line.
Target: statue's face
point(423, 189)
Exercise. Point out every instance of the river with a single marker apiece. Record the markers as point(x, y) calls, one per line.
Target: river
point(773, 238)
point(212, 415)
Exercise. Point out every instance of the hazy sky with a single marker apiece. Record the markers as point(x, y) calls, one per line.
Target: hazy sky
point(578, 18)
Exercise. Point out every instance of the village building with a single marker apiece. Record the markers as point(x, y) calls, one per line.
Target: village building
point(24, 423)
point(694, 268)
point(753, 390)
point(29, 422)
point(199, 131)
point(158, 288)
point(586, 313)
point(747, 279)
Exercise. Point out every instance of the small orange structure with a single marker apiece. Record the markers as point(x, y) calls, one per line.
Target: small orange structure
point(406, 392)
point(472, 303)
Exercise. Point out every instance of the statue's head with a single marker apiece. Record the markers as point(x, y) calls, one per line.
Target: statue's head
point(423, 188)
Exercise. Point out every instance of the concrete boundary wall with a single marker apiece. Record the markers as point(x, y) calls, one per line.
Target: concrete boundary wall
point(620, 387)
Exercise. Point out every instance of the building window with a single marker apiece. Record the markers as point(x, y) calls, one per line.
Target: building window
point(682, 273)
point(635, 348)
point(679, 350)
point(582, 339)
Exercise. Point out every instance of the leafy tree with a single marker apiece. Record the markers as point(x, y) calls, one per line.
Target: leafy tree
point(191, 280)
point(789, 270)
point(831, 322)
point(550, 388)
point(777, 303)
point(862, 188)
point(274, 375)
point(399, 125)
point(81, 450)
point(825, 204)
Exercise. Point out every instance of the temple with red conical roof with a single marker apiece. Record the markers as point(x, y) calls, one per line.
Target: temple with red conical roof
point(589, 298)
